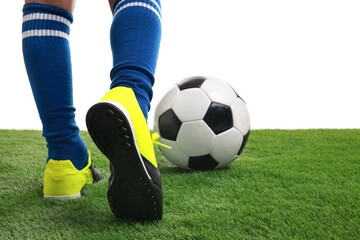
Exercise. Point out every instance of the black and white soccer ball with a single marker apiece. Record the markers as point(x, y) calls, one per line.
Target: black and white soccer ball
point(204, 121)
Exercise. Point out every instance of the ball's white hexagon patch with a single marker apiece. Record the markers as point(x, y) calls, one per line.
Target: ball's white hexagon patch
point(219, 91)
point(191, 104)
point(227, 145)
point(241, 116)
point(196, 138)
point(175, 155)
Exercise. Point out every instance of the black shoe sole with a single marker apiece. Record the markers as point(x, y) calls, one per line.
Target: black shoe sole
point(132, 194)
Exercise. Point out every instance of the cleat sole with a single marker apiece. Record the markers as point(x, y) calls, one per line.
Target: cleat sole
point(132, 194)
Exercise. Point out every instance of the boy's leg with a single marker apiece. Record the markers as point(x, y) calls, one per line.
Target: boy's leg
point(45, 33)
point(135, 40)
point(118, 123)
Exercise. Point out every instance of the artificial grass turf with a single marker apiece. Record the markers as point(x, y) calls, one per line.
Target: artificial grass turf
point(288, 184)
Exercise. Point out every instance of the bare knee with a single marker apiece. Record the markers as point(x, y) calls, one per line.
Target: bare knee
point(66, 4)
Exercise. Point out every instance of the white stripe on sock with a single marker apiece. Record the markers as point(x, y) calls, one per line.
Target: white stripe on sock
point(139, 4)
point(45, 16)
point(156, 4)
point(44, 33)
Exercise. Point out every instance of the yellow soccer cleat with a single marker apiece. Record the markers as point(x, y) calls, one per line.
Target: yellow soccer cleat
point(119, 129)
point(62, 180)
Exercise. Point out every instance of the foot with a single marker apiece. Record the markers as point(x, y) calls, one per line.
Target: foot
point(62, 180)
point(119, 129)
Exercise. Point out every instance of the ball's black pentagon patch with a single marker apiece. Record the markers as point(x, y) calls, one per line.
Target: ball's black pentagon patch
point(169, 125)
point(219, 118)
point(193, 82)
point(205, 162)
point(246, 137)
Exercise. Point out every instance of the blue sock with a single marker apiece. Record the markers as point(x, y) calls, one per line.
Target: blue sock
point(48, 63)
point(135, 39)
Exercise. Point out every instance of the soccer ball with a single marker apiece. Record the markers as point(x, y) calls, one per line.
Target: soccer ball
point(204, 121)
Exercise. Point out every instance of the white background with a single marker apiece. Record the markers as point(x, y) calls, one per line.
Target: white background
point(296, 63)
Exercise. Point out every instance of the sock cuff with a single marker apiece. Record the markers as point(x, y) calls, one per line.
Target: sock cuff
point(30, 8)
point(152, 5)
point(40, 20)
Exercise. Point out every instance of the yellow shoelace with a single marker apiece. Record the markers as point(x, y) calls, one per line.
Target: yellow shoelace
point(155, 137)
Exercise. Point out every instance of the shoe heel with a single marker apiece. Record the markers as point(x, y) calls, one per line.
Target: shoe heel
point(62, 180)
